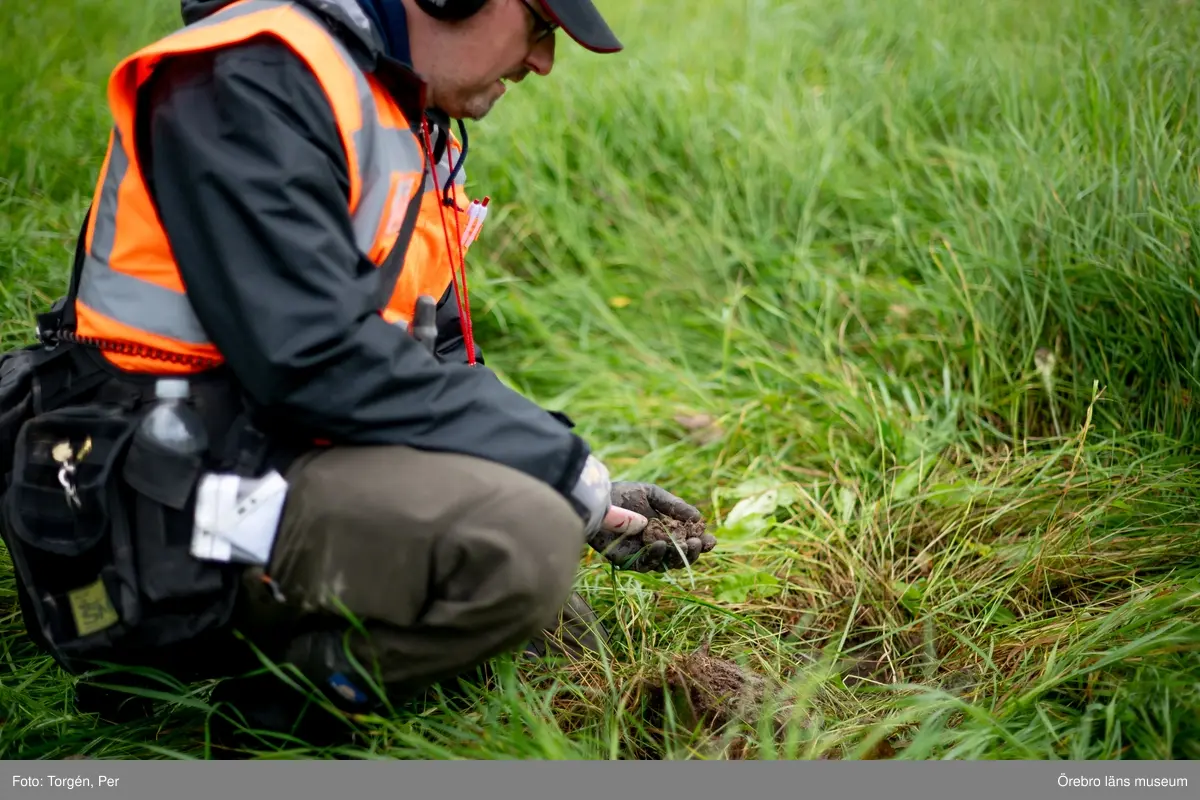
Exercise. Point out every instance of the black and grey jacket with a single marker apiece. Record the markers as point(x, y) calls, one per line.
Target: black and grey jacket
point(272, 232)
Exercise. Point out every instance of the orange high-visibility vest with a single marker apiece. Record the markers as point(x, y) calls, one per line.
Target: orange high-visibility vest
point(130, 289)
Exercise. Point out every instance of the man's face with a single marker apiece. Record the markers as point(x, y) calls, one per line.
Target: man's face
point(504, 42)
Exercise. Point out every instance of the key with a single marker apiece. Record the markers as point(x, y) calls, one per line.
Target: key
point(64, 454)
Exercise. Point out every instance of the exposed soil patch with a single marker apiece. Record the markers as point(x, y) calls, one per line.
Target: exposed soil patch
point(714, 691)
point(866, 666)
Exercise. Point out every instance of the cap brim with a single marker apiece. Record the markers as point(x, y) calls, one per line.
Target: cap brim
point(583, 23)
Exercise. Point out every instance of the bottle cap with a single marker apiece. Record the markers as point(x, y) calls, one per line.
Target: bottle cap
point(171, 389)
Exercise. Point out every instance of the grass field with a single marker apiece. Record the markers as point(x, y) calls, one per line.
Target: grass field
point(903, 294)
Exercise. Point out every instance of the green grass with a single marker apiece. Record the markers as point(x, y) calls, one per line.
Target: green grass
point(930, 268)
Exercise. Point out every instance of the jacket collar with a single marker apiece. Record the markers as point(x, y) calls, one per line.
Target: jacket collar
point(359, 27)
point(391, 21)
point(346, 16)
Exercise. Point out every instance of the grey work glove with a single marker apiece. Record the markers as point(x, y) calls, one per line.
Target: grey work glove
point(639, 509)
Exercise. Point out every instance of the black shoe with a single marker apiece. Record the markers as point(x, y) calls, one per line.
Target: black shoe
point(115, 706)
point(261, 711)
point(579, 631)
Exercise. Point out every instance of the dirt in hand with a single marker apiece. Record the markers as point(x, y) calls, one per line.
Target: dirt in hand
point(664, 529)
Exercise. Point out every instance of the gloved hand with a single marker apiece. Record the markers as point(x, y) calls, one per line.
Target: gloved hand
point(620, 535)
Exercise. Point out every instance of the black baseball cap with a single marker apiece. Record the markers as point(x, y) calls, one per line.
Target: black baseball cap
point(583, 23)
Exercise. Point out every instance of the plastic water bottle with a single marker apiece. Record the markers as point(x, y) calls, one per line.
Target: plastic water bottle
point(173, 425)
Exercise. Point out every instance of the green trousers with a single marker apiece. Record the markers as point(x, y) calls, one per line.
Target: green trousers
point(445, 560)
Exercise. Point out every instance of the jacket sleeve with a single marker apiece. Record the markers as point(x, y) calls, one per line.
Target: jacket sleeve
point(244, 162)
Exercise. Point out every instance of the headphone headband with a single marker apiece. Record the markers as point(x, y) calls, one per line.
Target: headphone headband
point(450, 10)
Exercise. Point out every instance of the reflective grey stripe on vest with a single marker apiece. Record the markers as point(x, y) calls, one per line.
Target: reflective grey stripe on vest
point(149, 307)
point(444, 166)
point(144, 305)
point(380, 151)
point(141, 304)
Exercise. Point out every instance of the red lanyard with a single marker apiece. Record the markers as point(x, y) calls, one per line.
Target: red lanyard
point(463, 298)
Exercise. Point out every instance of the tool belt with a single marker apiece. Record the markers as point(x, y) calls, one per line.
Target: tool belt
point(104, 572)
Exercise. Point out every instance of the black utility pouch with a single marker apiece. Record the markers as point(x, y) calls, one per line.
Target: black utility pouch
point(163, 507)
point(69, 534)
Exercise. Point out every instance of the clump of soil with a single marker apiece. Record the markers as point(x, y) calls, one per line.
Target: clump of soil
point(715, 691)
point(664, 529)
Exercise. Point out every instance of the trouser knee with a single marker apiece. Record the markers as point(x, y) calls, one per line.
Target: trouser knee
point(546, 574)
point(446, 560)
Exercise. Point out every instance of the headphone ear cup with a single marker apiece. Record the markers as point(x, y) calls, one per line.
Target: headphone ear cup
point(450, 10)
